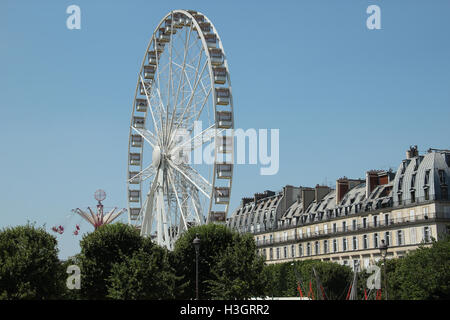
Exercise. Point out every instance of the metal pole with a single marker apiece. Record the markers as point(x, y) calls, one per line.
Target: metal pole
point(196, 274)
point(385, 279)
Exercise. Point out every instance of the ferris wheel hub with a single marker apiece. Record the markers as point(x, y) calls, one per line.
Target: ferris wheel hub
point(156, 157)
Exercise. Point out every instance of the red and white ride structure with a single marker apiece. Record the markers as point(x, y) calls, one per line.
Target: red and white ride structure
point(96, 219)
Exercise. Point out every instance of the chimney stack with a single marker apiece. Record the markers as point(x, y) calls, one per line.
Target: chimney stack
point(320, 192)
point(412, 152)
point(343, 185)
point(375, 178)
point(308, 196)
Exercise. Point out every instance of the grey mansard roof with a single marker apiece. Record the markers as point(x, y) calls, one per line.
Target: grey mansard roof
point(255, 217)
point(433, 162)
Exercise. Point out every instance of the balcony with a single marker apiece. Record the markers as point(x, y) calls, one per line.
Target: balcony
point(431, 217)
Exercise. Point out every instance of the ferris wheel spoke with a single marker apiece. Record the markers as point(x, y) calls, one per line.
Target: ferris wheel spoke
point(143, 175)
point(180, 206)
point(196, 205)
point(200, 139)
point(195, 178)
point(147, 211)
point(191, 97)
point(149, 105)
point(147, 135)
point(181, 78)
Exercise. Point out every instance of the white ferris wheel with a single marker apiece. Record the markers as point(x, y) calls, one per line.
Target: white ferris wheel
point(182, 107)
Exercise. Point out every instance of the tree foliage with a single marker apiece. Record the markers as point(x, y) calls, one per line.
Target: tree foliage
point(423, 274)
point(29, 265)
point(238, 272)
point(147, 274)
point(228, 265)
point(116, 262)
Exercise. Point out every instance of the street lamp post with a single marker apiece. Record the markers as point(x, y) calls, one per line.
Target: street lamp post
point(196, 244)
point(383, 252)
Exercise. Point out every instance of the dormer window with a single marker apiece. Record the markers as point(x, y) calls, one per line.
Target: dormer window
point(427, 176)
point(416, 165)
point(400, 183)
point(413, 181)
point(442, 177)
point(403, 167)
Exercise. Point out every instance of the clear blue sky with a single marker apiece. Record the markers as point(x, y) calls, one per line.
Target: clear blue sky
point(346, 99)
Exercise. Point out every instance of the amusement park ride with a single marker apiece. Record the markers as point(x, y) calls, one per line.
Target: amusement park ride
point(95, 219)
point(184, 79)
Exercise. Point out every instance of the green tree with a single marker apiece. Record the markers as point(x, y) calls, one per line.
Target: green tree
point(29, 265)
point(238, 272)
point(100, 250)
point(221, 261)
point(117, 263)
point(147, 274)
point(423, 274)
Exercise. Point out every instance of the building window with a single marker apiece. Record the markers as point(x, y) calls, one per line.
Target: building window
point(427, 193)
point(344, 244)
point(412, 235)
point(344, 226)
point(400, 199)
point(334, 227)
point(317, 248)
point(364, 223)
point(411, 215)
point(355, 243)
point(375, 221)
point(425, 212)
point(325, 246)
point(413, 180)
point(285, 252)
point(308, 232)
point(365, 241)
point(426, 234)
point(386, 219)
point(399, 237)
point(354, 224)
point(335, 245)
point(278, 253)
point(325, 228)
point(271, 253)
point(427, 176)
point(308, 249)
point(300, 250)
point(355, 265)
point(375, 240)
point(271, 238)
point(264, 253)
point(387, 238)
point(292, 251)
point(300, 233)
point(442, 177)
point(413, 196)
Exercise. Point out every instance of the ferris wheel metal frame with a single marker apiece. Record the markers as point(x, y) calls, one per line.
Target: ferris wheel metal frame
point(164, 212)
